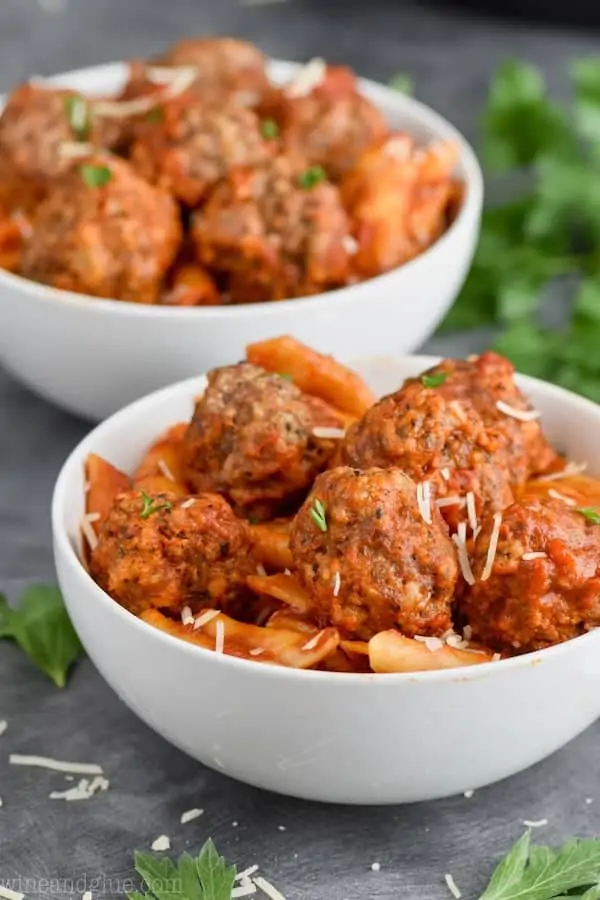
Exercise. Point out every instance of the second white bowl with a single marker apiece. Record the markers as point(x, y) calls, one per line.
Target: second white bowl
point(93, 356)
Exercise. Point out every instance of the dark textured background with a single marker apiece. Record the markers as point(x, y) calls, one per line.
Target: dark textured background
point(324, 853)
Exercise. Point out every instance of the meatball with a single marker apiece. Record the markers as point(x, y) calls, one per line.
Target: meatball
point(443, 443)
point(486, 381)
point(252, 439)
point(275, 231)
point(225, 66)
point(367, 557)
point(103, 231)
point(544, 582)
point(161, 552)
point(331, 123)
point(35, 122)
point(192, 144)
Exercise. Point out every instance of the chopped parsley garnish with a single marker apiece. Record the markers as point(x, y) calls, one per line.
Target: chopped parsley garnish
point(313, 176)
point(151, 505)
point(286, 376)
point(155, 114)
point(79, 116)
point(592, 514)
point(269, 129)
point(402, 83)
point(95, 176)
point(433, 381)
point(318, 514)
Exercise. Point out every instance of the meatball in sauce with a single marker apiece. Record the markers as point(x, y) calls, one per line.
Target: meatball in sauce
point(368, 558)
point(254, 438)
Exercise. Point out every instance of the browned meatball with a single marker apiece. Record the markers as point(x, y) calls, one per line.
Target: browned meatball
point(544, 582)
point(251, 438)
point(435, 441)
point(161, 552)
point(367, 557)
point(276, 231)
point(35, 124)
point(103, 231)
point(225, 65)
point(485, 381)
point(332, 124)
point(192, 144)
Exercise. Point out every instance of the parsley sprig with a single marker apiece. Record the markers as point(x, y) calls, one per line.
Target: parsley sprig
point(591, 513)
point(544, 232)
point(318, 514)
point(207, 876)
point(41, 626)
point(150, 505)
point(435, 380)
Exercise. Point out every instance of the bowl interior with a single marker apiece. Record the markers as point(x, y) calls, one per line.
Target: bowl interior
point(571, 423)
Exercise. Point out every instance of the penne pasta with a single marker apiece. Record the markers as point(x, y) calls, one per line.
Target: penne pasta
point(282, 587)
point(104, 482)
point(160, 468)
point(389, 651)
point(271, 542)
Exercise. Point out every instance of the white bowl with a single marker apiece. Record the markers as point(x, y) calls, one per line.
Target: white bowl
point(92, 356)
point(318, 735)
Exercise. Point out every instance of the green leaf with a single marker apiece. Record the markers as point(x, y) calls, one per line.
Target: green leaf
point(402, 83)
point(42, 628)
point(534, 351)
point(95, 176)
point(433, 381)
point(269, 129)
point(217, 878)
point(311, 177)
point(586, 303)
point(79, 115)
point(585, 74)
point(519, 123)
point(150, 505)
point(591, 513)
point(538, 873)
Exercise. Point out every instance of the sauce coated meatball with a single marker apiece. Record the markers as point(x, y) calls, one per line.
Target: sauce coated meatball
point(485, 381)
point(251, 439)
point(276, 235)
point(332, 124)
point(431, 439)
point(35, 123)
point(544, 584)
point(370, 561)
point(225, 66)
point(159, 552)
point(194, 143)
point(103, 231)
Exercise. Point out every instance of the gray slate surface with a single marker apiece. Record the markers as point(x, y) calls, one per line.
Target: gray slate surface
point(324, 853)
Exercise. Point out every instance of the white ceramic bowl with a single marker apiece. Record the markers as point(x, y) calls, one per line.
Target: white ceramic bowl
point(328, 736)
point(92, 356)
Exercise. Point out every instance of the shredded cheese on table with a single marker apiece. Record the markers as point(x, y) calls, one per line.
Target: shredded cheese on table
point(56, 765)
point(452, 887)
point(190, 814)
point(83, 790)
point(270, 890)
point(8, 894)
point(538, 823)
point(3, 726)
point(162, 842)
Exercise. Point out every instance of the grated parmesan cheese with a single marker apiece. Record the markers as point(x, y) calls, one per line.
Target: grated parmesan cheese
point(83, 790)
point(88, 532)
point(570, 469)
point(165, 470)
point(162, 842)
point(183, 78)
point(74, 149)
point(467, 632)
point(207, 616)
point(472, 511)
point(538, 823)
point(186, 616)
point(558, 496)
point(308, 78)
point(3, 726)
point(534, 555)
point(445, 473)
point(451, 500)
point(168, 74)
point(424, 500)
point(337, 583)
point(523, 415)
point(432, 643)
point(350, 244)
point(458, 410)
point(452, 886)
point(496, 657)
point(190, 814)
point(187, 503)
point(260, 570)
point(334, 434)
point(56, 765)
point(220, 636)
point(256, 651)
point(312, 643)
point(8, 894)
point(491, 554)
point(463, 559)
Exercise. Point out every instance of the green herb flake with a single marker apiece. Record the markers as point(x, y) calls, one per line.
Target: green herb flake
point(79, 116)
point(286, 376)
point(318, 514)
point(151, 505)
point(433, 381)
point(95, 176)
point(269, 129)
point(41, 626)
point(313, 176)
point(154, 115)
point(207, 876)
point(592, 513)
point(402, 83)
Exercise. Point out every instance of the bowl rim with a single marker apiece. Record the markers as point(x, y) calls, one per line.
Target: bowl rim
point(471, 206)
point(189, 387)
